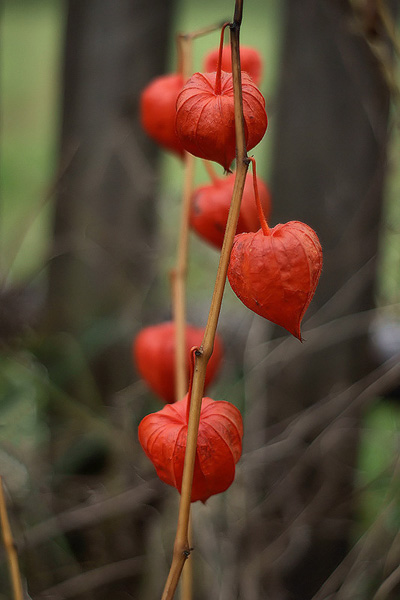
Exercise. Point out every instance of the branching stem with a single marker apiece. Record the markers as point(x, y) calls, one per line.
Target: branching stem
point(210, 170)
point(219, 63)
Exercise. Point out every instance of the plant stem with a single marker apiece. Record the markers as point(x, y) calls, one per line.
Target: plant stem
point(184, 58)
point(219, 67)
point(179, 274)
point(204, 30)
point(10, 547)
point(181, 546)
point(260, 212)
point(210, 170)
point(186, 591)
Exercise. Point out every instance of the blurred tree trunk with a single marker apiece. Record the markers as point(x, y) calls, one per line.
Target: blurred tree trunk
point(102, 268)
point(331, 132)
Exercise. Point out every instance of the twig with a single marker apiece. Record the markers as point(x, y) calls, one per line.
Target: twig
point(9, 545)
point(186, 591)
point(203, 31)
point(178, 277)
point(179, 273)
point(210, 170)
point(388, 585)
point(85, 582)
point(181, 546)
point(91, 514)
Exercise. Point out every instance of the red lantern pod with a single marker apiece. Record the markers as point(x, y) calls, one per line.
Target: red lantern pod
point(154, 356)
point(276, 274)
point(158, 108)
point(250, 61)
point(219, 445)
point(205, 120)
point(210, 207)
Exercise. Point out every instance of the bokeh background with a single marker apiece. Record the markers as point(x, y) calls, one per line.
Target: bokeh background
point(89, 207)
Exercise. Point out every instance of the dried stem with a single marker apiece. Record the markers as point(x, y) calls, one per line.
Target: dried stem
point(183, 42)
point(260, 212)
point(10, 547)
point(178, 276)
point(181, 546)
point(179, 273)
point(210, 170)
point(186, 590)
point(203, 31)
point(219, 63)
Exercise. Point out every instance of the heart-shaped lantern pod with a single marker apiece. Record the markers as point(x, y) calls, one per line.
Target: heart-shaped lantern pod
point(154, 356)
point(210, 207)
point(250, 62)
point(219, 445)
point(205, 119)
point(275, 272)
point(158, 108)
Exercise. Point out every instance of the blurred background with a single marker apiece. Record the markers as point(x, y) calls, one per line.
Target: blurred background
point(89, 207)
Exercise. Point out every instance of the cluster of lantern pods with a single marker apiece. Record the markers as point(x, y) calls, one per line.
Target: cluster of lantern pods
point(273, 271)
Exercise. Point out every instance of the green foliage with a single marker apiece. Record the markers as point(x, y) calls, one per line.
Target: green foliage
point(29, 79)
point(378, 463)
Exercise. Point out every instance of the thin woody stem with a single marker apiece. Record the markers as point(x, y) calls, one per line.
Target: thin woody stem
point(181, 546)
point(179, 273)
point(210, 170)
point(10, 548)
point(193, 351)
point(260, 212)
point(219, 63)
point(182, 38)
point(179, 277)
point(205, 30)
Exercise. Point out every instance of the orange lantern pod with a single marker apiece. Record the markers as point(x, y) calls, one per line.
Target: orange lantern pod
point(158, 108)
point(219, 445)
point(250, 62)
point(275, 272)
point(154, 356)
point(210, 207)
point(205, 116)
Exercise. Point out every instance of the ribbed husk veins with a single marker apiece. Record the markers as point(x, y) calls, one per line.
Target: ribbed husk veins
point(276, 275)
point(219, 445)
point(154, 356)
point(250, 62)
point(205, 121)
point(210, 207)
point(158, 108)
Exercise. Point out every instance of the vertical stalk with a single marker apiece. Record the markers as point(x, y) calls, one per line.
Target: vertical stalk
point(210, 170)
point(260, 212)
point(179, 278)
point(181, 546)
point(179, 282)
point(179, 273)
point(10, 548)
